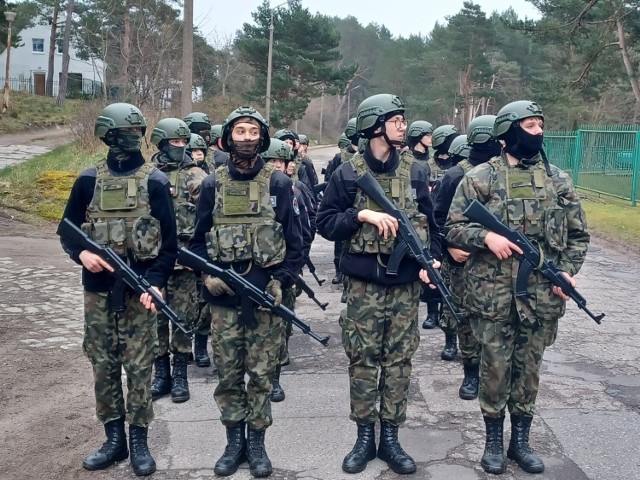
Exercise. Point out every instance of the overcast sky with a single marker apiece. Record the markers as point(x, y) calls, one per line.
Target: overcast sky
point(401, 17)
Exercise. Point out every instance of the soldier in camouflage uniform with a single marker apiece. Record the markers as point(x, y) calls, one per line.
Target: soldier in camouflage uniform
point(481, 147)
point(538, 199)
point(347, 151)
point(379, 325)
point(123, 203)
point(279, 155)
point(171, 136)
point(247, 220)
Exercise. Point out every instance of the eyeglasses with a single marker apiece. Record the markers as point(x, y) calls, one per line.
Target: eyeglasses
point(399, 123)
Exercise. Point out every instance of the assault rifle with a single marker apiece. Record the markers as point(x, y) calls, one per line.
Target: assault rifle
point(250, 295)
point(310, 293)
point(123, 273)
point(409, 240)
point(532, 257)
point(312, 271)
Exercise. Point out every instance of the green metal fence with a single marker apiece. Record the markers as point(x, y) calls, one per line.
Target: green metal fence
point(600, 158)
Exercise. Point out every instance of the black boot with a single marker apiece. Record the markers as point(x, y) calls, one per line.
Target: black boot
point(337, 280)
point(235, 453)
point(363, 451)
point(142, 462)
point(432, 320)
point(277, 393)
point(391, 451)
point(450, 349)
point(161, 383)
point(113, 450)
point(469, 388)
point(519, 448)
point(259, 463)
point(493, 458)
point(179, 383)
point(201, 354)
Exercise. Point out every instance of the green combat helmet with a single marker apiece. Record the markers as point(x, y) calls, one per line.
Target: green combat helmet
point(169, 128)
point(459, 147)
point(197, 143)
point(374, 110)
point(277, 149)
point(343, 141)
point(197, 121)
point(216, 133)
point(286, 133)
point(351, 132)
point(514, 112)
point(119, 115)
point(441, 134)
point(304, 140)
point(241, 112)
point(416, 131)
point(480, 129)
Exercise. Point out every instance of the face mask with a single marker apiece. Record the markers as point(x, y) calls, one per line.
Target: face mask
point(491, 148)
point(246, 149)
point(175, 154)
point(523, 145)
point(128, 141)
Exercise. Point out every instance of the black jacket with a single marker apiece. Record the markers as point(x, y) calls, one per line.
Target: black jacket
point(338, 220)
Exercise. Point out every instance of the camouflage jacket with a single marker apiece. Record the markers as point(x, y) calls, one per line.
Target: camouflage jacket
point(547, 209)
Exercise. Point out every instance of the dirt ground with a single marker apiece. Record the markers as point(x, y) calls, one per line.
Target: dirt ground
point(44, 137)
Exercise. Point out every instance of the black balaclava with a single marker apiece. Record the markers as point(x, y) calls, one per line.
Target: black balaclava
point(521, 144)
point(483, 152)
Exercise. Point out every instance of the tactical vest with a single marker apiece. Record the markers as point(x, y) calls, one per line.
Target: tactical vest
point(296, 166)
point(465, 165)
point(185, 210)
point(345, 155)
point(437, 172)
point(398, 189)
point(527, 200)
point(119, 214)
point(244, 221)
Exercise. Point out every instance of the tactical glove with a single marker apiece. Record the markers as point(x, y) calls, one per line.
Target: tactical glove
point(274, 288)
point(217, 287)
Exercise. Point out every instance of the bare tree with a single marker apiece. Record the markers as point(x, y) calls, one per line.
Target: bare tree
point(52, 49)
point(62, 90)
point(187, 58)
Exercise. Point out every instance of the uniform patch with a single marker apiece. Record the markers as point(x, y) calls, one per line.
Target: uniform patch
point(296, 207)
point(274, 201)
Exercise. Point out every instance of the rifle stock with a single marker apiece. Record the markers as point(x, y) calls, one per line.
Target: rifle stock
point(123, 273)
point(409, 243)
point(312, 270)
point(531, 258)
point(310, 293)
point(249, 293)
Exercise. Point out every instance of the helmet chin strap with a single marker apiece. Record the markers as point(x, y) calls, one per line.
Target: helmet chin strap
point(383, 133)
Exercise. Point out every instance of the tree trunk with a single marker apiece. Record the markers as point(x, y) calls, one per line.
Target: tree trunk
point(126, 51)
point(187, 59)
point(62, 89)
point(52, 50)
point(628, 66)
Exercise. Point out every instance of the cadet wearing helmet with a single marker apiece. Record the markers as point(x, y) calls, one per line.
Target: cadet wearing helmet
point(101, 201)
point(530, 196)
point(306, 161)
point(220, 157)
point(200, 124)
point(197, 150)
point(247, 202)
point(381, 310)
point(483, 147)
point(305, 172)
point(171, 136)
point(419, 139)
point(279, 155)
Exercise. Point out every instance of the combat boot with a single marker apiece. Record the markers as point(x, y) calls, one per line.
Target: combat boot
point(337, 280)
point(391, 451)
point(113, 450)
point(142, 462)
point(277, 393)
point(431, 321)
point(469, 388)
point(179, 382)
point(493, 458)
point(259, 463)
point(235, 453)
point(161, 383)
point(363, 451)
point(201, 353)
point(450, 349)
point(519, 448)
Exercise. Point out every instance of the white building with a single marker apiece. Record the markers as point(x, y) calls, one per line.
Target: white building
point(28, 65)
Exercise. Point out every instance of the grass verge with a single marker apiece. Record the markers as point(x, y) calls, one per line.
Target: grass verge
point(27, 111)
point(613, 219)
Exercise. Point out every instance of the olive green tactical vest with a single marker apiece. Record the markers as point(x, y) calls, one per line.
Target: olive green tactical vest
point(119, 214)
point(345, 155)
point(185, 209)
point(244, 220)
point(398, 189)
point(465, 165)
point(296, 166)
point(437, 172)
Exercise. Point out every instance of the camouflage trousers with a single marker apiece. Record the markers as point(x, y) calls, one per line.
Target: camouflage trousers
point(380, 335)
point(182, 296)
point(254, 352)
point(203, 324)
point(289, 301)
point(512, 351)
point(115, 341)
point(469, 347)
